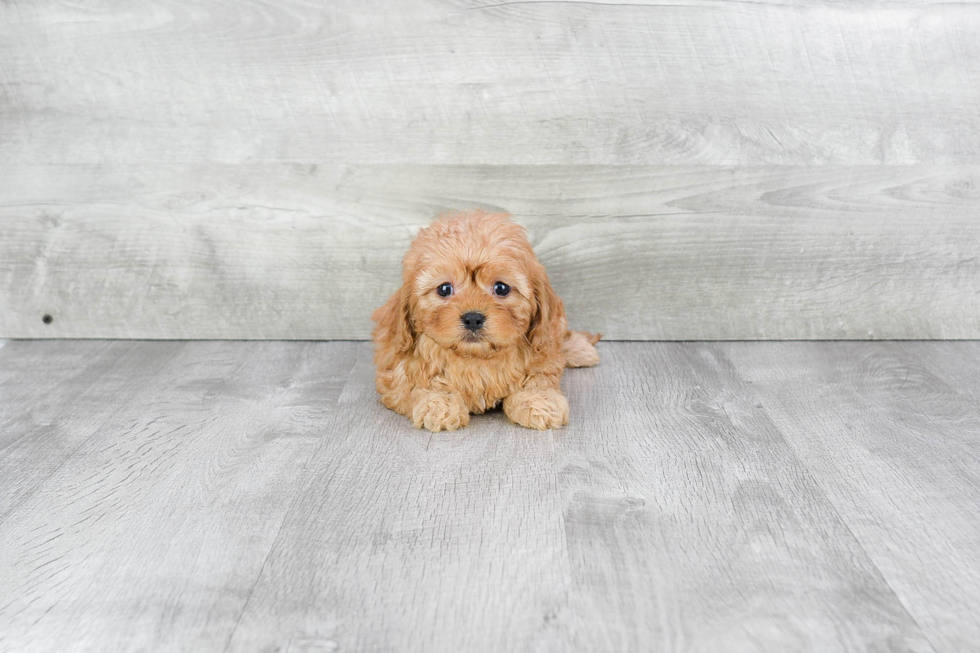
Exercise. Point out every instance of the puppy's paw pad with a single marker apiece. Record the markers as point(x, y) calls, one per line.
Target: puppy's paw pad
point(537, 409)
point(440, 411)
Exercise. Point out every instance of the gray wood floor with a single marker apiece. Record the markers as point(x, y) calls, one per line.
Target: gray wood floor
point(254, 496)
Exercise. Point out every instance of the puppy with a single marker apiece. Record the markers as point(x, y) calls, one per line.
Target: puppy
point(475, 323)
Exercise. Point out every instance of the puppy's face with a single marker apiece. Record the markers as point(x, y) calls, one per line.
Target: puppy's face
point(474, 308)
point(472, 286)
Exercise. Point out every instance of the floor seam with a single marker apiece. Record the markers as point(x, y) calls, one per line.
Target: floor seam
point(292, 504)
point(823, 492)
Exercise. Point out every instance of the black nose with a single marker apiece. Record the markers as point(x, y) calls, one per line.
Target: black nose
point(474, 321)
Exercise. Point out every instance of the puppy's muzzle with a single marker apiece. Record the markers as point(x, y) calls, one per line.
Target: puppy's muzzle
point(473, 321)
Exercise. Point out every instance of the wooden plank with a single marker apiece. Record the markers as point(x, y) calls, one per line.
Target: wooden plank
point(692, 525)
point(409, 540)
point(669, 515)
point(38, 433)
point(955, 363)
point(471, 81)
point(636, 252)
point(891, 433)
point(165, 480)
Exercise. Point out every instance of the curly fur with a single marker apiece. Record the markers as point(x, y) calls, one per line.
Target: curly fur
point(431, 369)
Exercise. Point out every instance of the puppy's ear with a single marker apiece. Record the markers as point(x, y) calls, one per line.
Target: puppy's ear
point(394, 323)
point(547, 328)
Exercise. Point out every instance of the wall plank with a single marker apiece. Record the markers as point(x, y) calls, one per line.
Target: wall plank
point(638, 252)
point(687, 170)
point(480, 82)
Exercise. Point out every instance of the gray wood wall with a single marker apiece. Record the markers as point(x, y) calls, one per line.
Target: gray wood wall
point(687, 170)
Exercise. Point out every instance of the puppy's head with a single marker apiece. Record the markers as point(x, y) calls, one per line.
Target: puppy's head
point(473, 285)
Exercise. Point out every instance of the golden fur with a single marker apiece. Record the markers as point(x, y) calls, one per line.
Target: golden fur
point(434, 370)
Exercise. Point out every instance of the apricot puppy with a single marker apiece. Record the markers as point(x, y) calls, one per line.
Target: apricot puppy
point(475, 323)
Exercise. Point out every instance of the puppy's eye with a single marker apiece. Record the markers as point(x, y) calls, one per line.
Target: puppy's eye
point(500, 289)
point(445, 290)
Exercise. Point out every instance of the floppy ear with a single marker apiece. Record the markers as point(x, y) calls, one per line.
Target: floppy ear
point(394, 331)
point(547, 328)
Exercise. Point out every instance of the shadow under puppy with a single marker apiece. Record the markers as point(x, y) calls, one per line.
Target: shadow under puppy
point(474, 323)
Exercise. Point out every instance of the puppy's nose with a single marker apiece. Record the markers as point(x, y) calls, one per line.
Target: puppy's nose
point(473, 320)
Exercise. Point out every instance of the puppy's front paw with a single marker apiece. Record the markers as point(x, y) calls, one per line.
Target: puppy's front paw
point(440, 411)
point(537, 409)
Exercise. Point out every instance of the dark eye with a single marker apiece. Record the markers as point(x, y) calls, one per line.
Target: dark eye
point(445, 290)
point(500, 289)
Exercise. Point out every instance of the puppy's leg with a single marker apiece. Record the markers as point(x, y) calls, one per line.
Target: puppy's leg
point(438, 410)
point(579, 349)
point(538, 405)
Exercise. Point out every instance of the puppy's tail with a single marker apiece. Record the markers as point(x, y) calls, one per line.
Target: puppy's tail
point(579, 349)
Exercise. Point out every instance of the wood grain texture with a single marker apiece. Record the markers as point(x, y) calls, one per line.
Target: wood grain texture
point(891, 433)
point(688, 170)
point(55, 398)
point(692, 526)
point(636, 252)
point(685, 525)
point(403, 539)
point(477, 82)
point(257, 497)
point(143, 484)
